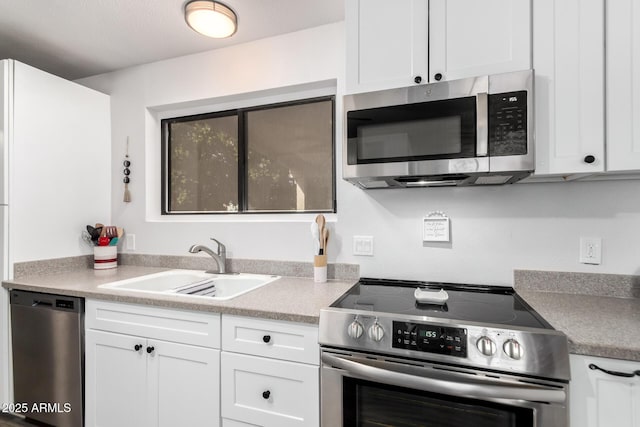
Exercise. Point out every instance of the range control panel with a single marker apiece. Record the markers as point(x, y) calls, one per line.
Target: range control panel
point(430, 338)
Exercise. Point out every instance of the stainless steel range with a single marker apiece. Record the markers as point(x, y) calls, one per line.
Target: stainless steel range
point(405, 353)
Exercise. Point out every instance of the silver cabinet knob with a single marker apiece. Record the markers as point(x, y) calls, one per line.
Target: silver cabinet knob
point(486, 346)
point(513, 349)
point(355, 329)
point(376, 332)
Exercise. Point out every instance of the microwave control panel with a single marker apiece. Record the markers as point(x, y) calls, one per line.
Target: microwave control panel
point(508, 123)
point(430, 338)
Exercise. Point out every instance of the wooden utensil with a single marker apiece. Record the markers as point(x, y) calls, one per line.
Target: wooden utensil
point(321, 222)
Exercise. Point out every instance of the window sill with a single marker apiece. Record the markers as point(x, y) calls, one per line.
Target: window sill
point(239, 218)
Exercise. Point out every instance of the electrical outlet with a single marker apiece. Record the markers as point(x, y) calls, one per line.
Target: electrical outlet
point(363, 245)
point(131, 242)
point(591, 250)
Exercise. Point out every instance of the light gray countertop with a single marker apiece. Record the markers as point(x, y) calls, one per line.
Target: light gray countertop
point(596, 324)
point(288, 298)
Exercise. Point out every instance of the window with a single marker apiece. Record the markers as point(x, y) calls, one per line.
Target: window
point(274, 158)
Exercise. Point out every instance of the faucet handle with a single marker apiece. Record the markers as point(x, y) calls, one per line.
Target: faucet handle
point(222, 250)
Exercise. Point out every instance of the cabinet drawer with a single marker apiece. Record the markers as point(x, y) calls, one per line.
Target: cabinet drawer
point(269, 392)
point(181, 326)
point(271, 338)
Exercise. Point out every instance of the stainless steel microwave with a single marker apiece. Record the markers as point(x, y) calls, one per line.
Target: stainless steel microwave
point(473, 131)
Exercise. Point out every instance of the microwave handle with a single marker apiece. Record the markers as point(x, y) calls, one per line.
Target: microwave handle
point(459, 388)
point(482, 125)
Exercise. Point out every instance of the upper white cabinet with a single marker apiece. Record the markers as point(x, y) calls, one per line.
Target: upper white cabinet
point(475, 38)
point(418, 41)
point(568, 59)
point(601, 399)
point(387, 43)
point(623, 85)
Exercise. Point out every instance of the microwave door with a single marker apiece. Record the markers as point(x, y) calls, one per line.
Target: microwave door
point(435, 137)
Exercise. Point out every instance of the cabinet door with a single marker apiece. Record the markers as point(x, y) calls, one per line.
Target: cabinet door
point(470, 38)
point(568, 59)
point(599, 399)
point(623, 85)
point(115, 380)
point(269, 392)
point(184, 384)
point(387, 43)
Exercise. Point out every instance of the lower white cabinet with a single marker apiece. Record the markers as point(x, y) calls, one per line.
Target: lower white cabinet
point(144, 380)
point(601, 399)
point(269, 392)
point(270, 373)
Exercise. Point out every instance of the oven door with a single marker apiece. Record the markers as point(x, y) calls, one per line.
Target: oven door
point(366, 390)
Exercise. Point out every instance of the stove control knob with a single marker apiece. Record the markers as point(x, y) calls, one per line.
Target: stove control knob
point(355, 329)
point(513, 349)
point(376, 332)
point(486, 346)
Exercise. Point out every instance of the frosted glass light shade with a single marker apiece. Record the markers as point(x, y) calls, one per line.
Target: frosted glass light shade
point(210, 18)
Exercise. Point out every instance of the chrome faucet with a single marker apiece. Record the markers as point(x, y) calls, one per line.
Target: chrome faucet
point(220, 258)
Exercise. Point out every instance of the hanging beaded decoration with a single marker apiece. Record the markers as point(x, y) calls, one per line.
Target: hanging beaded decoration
point(126, 171)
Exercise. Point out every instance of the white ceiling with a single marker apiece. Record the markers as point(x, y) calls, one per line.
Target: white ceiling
point(81, 38)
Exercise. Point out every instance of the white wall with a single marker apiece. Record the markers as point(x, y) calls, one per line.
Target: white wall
point(494, 229)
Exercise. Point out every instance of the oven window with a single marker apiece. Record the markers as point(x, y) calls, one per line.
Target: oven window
point(424, 131)
point(370, 404)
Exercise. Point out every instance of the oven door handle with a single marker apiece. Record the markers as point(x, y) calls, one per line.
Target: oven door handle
point(534, 393)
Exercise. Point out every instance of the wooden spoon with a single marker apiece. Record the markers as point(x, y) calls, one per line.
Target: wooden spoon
point(321, 221)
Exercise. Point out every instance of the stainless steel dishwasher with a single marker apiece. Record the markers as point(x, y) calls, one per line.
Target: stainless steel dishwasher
point(48, 357)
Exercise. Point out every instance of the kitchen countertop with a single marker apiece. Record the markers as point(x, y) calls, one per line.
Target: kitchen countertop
point(292, 299)
point(599, 320)
point(595, 324)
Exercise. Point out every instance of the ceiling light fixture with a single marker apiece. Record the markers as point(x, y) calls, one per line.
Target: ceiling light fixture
point(211, 18)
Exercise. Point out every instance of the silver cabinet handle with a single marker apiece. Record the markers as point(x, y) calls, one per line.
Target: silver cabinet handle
point(458, 388)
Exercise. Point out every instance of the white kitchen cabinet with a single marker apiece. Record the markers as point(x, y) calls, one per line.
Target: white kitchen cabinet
point(269, 373)
point(142, 378)
point(599, 399)
point(387, 43)
point(269, 392)
point(473, 38)
point(623, 85)
point(568, 59)
point(418, 41)
point(115, 380)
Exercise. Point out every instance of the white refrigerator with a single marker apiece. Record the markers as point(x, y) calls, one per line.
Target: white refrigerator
point(5, 94)
point(55, 169)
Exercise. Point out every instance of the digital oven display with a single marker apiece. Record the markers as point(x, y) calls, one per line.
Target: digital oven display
point(430, 338)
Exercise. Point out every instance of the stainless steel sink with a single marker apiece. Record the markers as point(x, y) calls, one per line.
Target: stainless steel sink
point(193, 283)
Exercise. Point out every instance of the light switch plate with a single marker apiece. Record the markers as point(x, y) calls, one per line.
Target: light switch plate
point(363, 245)
point(591, 250)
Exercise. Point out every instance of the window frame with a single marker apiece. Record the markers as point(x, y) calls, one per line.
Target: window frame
point(241, 114)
